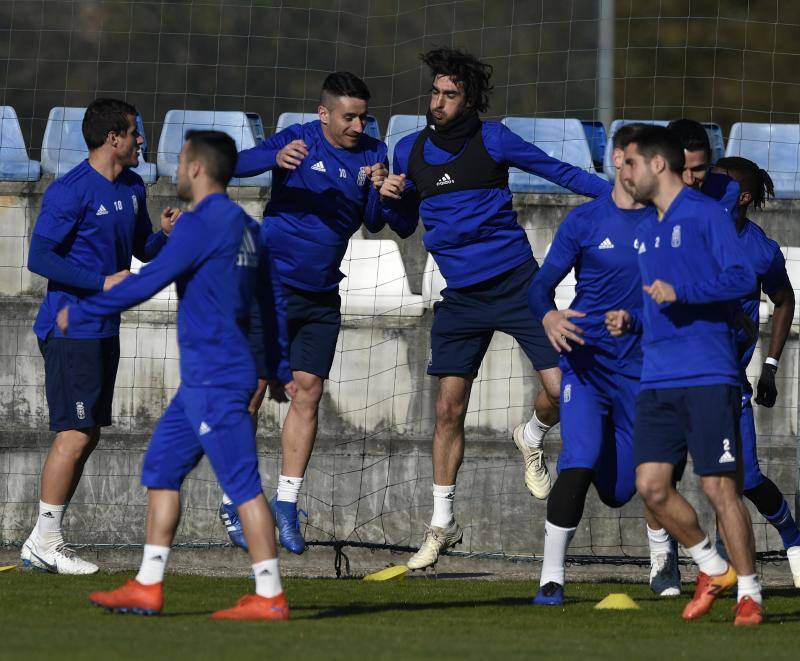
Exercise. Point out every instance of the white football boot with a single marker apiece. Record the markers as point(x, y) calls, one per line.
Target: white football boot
point(537, 477)
point(55, 559)
point(436, 540)
point(665, 577)
point(793, 554)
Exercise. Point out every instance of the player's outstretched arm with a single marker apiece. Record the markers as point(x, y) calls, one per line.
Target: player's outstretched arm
point(507, 147)
point(398, 196)
point(177, 257)
point(782, 315)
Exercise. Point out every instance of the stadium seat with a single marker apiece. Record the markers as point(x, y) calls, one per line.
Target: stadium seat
point(375, 281)
point(775, 147)
point(238, 125)
point(63, 146)
point(399, 127)
point(596, 137)
point(289, 118)
point(716, 139)
point(14, 162)
point(563, 139)
point(432, 282)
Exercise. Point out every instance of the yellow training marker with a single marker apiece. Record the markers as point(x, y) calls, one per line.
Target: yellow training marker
point(617, 602)
point(392, 573)
point(8, 568)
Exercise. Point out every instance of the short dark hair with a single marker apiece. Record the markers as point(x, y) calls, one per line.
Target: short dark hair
point(657, 140)
point(104, 116)
point(216, 150)
point(692, 135)
point(344, 83)
point(751, 178)
point(464, 68)
point(626, 133)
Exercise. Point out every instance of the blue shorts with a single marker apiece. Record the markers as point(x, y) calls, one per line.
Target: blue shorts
point(314, 319)
point(753, 476)
point(597, 413)
point(210, 421)
point(700, 420)
point(79, 380)
point(466, 318)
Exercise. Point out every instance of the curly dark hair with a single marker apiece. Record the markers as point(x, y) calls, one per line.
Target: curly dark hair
point(464, 68)
point(751, 178)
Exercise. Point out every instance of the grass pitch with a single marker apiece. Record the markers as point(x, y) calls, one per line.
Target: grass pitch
point(44, 616)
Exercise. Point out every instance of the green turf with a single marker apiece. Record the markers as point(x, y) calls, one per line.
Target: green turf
point(49, 616)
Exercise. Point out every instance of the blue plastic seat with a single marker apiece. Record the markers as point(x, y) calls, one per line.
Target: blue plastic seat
point(774, 147)
point(14, 162)
point(716, 139)
point(63, 146)
point(236, 124)
point(563, 139)
point(288, 118)
point(596, 137)
point(399, 127)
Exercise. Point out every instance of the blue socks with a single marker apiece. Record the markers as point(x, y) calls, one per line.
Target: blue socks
point(785, 525)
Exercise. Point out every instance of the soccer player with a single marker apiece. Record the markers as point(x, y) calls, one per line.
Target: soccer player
point(92, 221)
point(769, 265)
point(694, 273)
point(454, 174)
point(209, 413)
point(325, 179)
point(600, 374)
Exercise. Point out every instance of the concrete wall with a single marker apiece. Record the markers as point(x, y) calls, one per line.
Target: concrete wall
point(369, 479)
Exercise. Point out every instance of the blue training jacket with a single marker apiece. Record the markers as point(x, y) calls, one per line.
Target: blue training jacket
point(474, 234)
point(694, 248)
point(314, 210)
point(204, 256)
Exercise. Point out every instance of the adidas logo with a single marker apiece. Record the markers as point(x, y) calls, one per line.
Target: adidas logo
point(102, 211)
point(319, 166)
point(726, 458)
point(157, 558)
point(606, 244)
point(48, 515)
point(204, 428)
point(265, 572)
point(445, 180)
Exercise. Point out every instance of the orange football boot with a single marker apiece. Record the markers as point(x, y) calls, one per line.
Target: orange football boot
point(132, 597)
point(255, 607)
point(748, 612)
point(707, 590)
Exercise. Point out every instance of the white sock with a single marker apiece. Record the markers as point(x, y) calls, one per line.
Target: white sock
point(268, 578)
point(534, 432)
point(707, 559)
point(556, 541)
point(154, 562)
point(658, 540)
point(49, 523)
point(749, 586)
point(226, 500)
point(289, 488)
point(443, 497)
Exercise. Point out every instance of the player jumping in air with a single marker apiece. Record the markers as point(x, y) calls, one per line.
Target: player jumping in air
point(209, 413)
point(325, 176)
point(454, 174)
point(694, 273)
point(92, 221)
point(769, 265)
point(600, 374)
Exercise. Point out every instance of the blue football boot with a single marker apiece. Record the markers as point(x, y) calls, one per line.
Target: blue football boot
point(230, 519)
point(550, 594)
point(288, 525)
point(665, 574)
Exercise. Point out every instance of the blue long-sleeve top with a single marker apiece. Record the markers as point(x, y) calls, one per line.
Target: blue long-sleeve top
point(694, 247)
point(88, 228)
point(474, 234)
point(314, 210)
point(597, 239)
point(204, 256)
